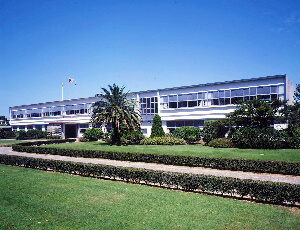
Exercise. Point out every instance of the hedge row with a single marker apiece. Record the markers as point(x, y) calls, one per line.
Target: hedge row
point(246, 165)
point(270, 192)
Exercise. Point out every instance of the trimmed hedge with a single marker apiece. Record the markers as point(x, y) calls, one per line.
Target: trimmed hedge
point(221, 143)
point(278, 193)
point(190, 134)
point(31, 134)
point(277, 167)
point(163, 141)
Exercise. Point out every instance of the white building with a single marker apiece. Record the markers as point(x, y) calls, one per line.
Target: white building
point(178, 106)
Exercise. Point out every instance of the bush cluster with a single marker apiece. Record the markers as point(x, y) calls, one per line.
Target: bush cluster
point(277, 167)
point(132, 137)
point(190, 134)
point(278, 193)
point(215, 129)
point(163, 141)
point(265, 138)
point(221, 143)
point(7, 134)
point(93, 134)
point(31, 134)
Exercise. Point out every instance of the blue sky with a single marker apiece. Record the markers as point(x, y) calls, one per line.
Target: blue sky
point(141, 44)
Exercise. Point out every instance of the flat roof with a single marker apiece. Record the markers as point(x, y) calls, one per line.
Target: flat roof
point(215, 83)
point(180, 87)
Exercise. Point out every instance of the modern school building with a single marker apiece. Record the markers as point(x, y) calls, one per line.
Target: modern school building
point(178, 106)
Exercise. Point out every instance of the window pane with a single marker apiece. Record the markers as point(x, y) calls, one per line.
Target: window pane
point(227, 93)
point(239, 92)
point(215, 94)
point(252, 91)
point(182, 104)
point(227, 101)
point(281, 89)
point(222, 101)
point(173, 98)
point(192, 97)
point(182, 97)
point(233, 93)
point(192, 103)
point(263, 90)
point(171, 124)
point(215, 102)
point(179, 123)
point(221, 93)
point(273, 96)
point(274, 89)
point(189, 123)
point(198, 123)
point(200, 95)
point(164, 99)
point(246, 92)
point(172, 104)
point(264, 97)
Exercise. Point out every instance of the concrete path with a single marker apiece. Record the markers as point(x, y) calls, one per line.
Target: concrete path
point(161, 167)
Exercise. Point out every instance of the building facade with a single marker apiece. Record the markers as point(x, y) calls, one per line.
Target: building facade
point(178, 106)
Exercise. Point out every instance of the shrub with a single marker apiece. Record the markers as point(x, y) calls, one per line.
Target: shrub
point(279, 193)
point(163, 141)
point(93, 134)
point(21, 135)
point(215, 129)
point(157, 130)
point(255, 138)
point(30, 134)
point(292, 138)
point(83, 139)
point(133, 137)
point(36, 134)
point(247, 165)
point(7, 134)
point(220, 143)
point(190, 134)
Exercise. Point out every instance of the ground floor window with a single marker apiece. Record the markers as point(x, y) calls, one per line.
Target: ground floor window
point(179, 123)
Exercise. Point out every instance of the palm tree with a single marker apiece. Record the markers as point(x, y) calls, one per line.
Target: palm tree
point(115, 109)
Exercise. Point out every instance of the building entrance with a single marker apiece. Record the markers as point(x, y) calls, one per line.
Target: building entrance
point(70, 131)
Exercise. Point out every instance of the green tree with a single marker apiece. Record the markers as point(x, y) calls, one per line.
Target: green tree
point(114, 108)
point(214, 129)
point(256, 113)
point(292, 112)
point(157, 129)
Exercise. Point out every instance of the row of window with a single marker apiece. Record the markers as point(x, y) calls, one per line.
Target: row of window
point(54, 111)
point(149, 105)
point(222, 97)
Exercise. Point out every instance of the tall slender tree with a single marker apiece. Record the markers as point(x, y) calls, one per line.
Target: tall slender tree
point(117, 110)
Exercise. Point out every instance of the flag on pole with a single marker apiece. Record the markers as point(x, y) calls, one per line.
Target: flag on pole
point(62, 91)
point(71, 80)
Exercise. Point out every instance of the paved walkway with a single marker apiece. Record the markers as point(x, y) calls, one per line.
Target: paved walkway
point(161, 167)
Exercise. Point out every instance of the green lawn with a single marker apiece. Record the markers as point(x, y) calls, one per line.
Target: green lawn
point(9, 142)
point(191, 150)
point(32, 199)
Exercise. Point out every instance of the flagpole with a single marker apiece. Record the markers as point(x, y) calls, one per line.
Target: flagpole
point(62, 91)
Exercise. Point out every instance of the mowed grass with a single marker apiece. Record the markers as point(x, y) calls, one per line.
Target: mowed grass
point(9, 142)
point(32, 199)
point(190, 150)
